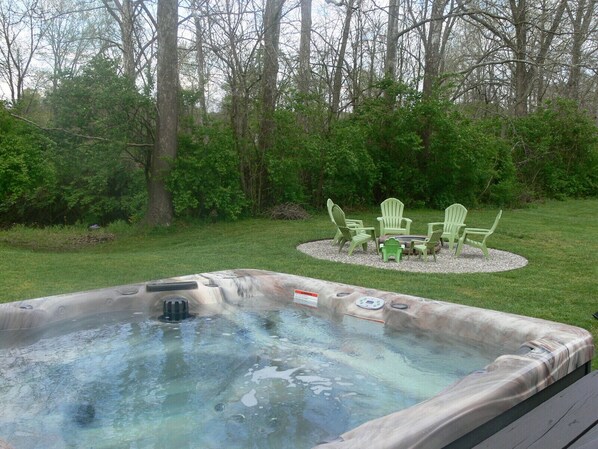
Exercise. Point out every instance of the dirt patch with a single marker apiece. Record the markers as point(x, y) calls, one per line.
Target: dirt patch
point(92, 239)
point(48, 240)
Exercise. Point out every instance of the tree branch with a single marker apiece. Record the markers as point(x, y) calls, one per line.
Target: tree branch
point(82, 136)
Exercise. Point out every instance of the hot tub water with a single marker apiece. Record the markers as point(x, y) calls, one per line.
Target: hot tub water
point(273, 379)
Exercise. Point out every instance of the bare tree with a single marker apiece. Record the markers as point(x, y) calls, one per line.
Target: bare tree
point(137, 28)
point(69, 36)
point(340, 57)
point(21, 33)
point(234, 41)
point(433, 46)
point(534, 31)
point(581, 16)
point(160, 209)
point(372, 52)
point(123, 12)
point(367, 62)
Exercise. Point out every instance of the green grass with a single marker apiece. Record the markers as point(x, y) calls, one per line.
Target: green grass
point(560, 240)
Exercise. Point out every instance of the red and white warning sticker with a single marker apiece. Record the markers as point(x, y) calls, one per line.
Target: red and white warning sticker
point(305, 298)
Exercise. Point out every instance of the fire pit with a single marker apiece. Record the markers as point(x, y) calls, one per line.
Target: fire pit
point(406, 240)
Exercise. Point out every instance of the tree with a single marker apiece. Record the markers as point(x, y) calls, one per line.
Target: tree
point(21, 32)
point(160, 208)
point(104, 129)
point(68, 38)
point(124, 14)
point(433, 45)
point(581, 18)
point(137, 28)
point(27, 177)
point(234, 41)
point(527, 32)
point(340, 57)
point(272, 16)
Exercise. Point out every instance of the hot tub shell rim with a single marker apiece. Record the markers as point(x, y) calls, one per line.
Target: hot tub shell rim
point(555, 350)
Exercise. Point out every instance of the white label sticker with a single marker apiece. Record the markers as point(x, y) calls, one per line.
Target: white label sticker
point(304, 298)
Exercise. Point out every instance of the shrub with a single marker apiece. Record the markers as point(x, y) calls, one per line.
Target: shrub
point(102, 177)
point(393, 143)
point(349, 171)
point(556, 151)
point(28, 181)
point(292, 163)
point(205, 181)
point(427, 153)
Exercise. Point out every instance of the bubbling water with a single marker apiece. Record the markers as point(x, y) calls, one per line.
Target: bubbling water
point(270, 379)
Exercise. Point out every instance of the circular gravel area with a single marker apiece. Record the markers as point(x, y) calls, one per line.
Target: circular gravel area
point(471, 259)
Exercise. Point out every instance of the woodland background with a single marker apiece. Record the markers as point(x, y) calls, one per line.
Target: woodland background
point(148, 111)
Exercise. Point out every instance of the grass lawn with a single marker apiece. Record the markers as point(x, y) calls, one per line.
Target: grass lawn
point(560, 240)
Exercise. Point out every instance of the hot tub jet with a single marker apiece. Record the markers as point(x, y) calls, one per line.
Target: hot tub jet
point(175, 308)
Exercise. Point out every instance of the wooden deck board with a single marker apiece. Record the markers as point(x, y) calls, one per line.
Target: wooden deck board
point(589, 440)
point(568, 417)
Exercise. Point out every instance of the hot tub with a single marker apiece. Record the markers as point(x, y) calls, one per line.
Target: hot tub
point(538, 357)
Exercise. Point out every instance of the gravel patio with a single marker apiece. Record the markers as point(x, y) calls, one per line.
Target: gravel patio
point(471, 259)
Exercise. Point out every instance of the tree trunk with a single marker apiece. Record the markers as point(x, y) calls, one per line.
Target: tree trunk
point(272, 16)
point(355, 74)
point(127, 31)
point(432, 59)
point(519, 13)
point(524, 76)
point(305, 49)
point(160, 210)
point(537, 70)
point(304, 74)
point(581, 25)
point(340, 60)
point(392, 39)
point(124, 15)
point(201, 64)
point(432, 62)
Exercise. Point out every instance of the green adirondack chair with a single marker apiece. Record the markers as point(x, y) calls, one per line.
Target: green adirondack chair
point(477, 237)
point(428, 245)
point(392, 220)
point(453, 224)
point(351, 222)
point(391, 248)
point(354, 235)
